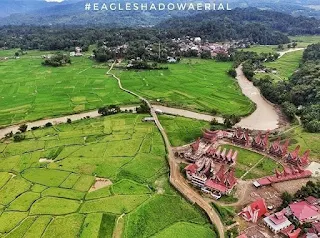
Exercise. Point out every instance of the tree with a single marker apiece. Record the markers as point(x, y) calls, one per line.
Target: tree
point(289, 109)
point(16, 54)
point(280, 47)
point(49, 124)
point(109, 110)
point(18, 137)
point(143, 108)
point(23, 128)
point(69, 120)
point(232, 72)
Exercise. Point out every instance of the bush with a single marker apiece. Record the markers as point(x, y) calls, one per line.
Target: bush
point(23, 128)
point(69, 120)
point(109, 110)
point(18, 137)
point(49, 124)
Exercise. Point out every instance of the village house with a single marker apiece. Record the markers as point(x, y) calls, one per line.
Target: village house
point(278, 150)
point(222, 156)
point(241, 137)
point(261, 142)
point(304, 212)
point(254, 211)
point(277, 222)
point(295, 159)
point(202, 174)
point(288, 174)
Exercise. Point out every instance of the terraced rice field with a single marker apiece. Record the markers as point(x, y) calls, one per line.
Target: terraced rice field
point(195, 84)
point(53, 199)
point(32, 91)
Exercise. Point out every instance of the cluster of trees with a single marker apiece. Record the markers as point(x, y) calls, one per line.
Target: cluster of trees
point(109, 110)
point(310, 189)
point(258, 26)
point(300, 94)
point(57, 60)
point(254, 25)
point(143, 108)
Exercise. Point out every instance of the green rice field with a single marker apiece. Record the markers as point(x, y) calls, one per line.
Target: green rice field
point(284, 67)
point(261, 49)
point(32, 91)
point(182, 130)
point(195, 84)
point(52, 199)
point(304, 41)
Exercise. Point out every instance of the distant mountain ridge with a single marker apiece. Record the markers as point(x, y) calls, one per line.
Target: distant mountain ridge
point(70, 12)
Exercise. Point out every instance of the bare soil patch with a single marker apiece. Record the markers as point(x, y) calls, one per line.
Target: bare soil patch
point(100, 183)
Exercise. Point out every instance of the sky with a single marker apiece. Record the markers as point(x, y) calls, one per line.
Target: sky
point(54, 0)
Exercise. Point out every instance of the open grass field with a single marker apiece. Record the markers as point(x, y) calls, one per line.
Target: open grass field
point(304, 41)
point(250, 160)
point(195, 84)
point(306, 141)
point(53, 199)
point(32, 91)
point(182, 130)
point(262, 49)
point(284, 67)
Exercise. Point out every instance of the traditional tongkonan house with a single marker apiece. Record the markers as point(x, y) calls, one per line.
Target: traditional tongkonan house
point(278, 150)
point(293, 158)
point(195, 146)
point(226, 157)
point(212, 136)
point(223, 182)
point(241, 137)
point(211, 152)
point(260, 142)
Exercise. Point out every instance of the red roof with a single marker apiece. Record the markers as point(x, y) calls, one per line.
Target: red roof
point(242, 236)
point(302, 210)
point(191, 167)
point(294, 234)
point(278, 218)
point(260, 205)
point(316, 226)
point(195, 145)
point(311, 200)
point(213, 185)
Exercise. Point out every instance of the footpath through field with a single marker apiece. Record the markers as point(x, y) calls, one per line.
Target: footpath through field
point(176, 179)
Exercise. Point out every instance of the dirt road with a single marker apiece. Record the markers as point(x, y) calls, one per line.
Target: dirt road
point(55, 121)
point(176, 179)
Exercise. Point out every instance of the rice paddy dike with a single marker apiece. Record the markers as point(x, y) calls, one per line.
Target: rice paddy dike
point(32, 92)
point(46, 180)
point(52, 198)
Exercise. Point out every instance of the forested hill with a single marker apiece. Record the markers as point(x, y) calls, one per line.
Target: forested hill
point(300, 94)
point(243, 23)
